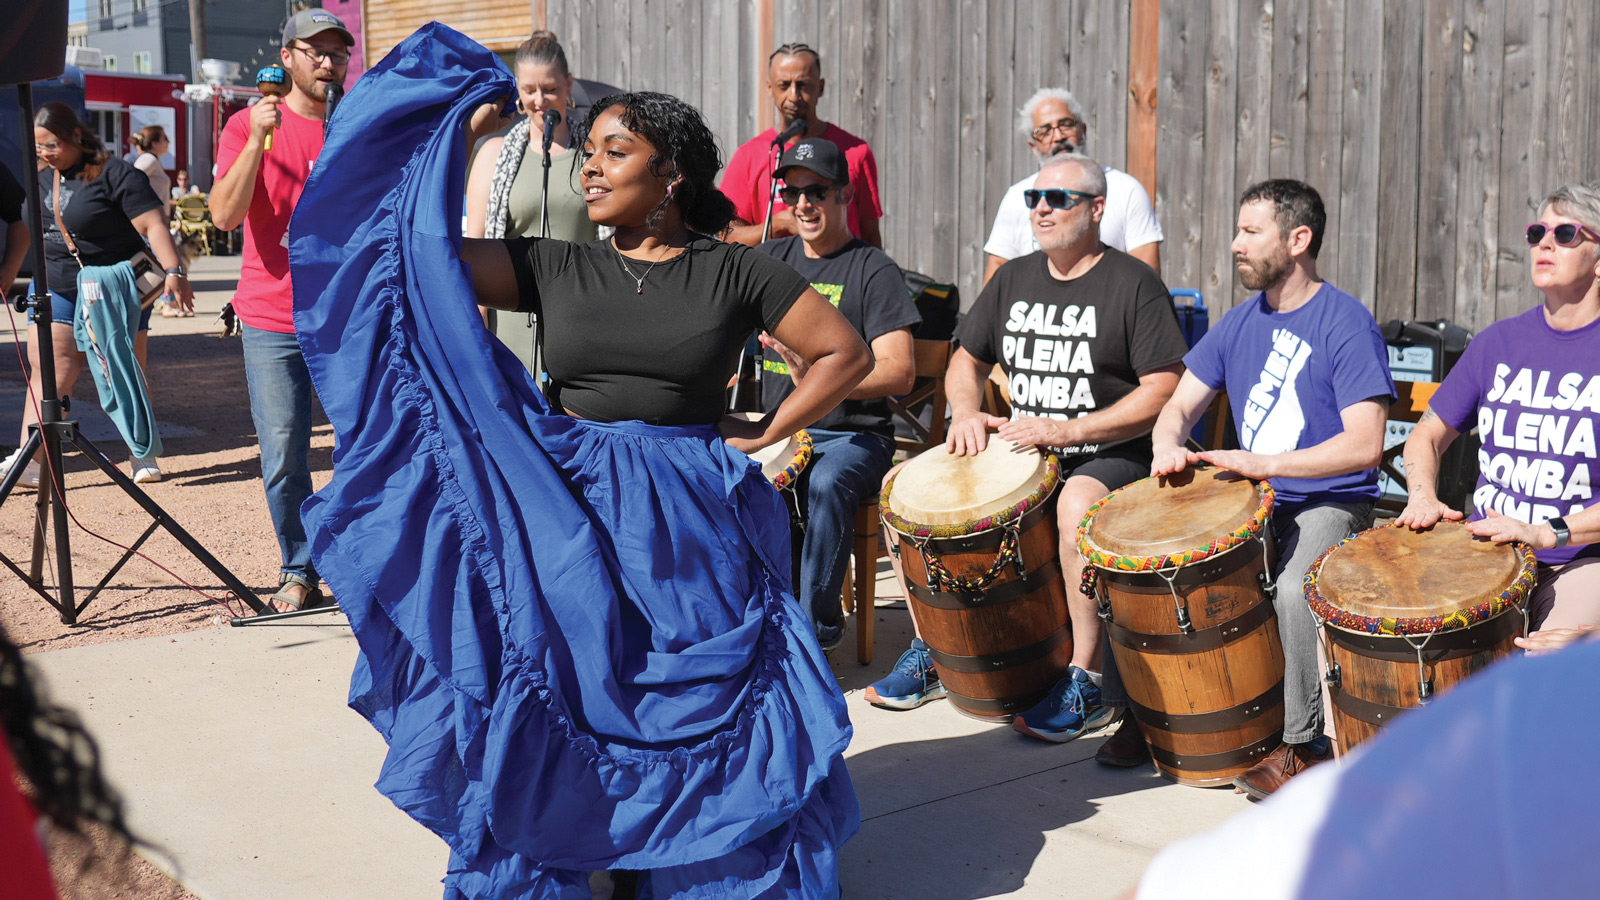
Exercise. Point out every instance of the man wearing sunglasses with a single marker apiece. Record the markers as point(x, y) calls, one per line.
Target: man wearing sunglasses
point(1089, 345)
point(259, 189)
point(1052, 123)
point(1530, 384)
point(854, 444)
point(1307, 376)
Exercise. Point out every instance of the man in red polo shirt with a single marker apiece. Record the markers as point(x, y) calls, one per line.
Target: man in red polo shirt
point(794, 77)
point(260, 187)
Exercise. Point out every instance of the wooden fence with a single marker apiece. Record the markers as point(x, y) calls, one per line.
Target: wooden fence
point(1431, 127)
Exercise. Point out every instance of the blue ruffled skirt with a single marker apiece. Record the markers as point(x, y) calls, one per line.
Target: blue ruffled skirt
point(578, 639)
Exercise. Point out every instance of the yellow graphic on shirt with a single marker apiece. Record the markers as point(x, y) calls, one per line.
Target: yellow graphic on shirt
point(834, 293)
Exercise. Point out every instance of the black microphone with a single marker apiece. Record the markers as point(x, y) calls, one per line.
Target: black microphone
point(335, 93)
point(795, 129)
point(552, 118)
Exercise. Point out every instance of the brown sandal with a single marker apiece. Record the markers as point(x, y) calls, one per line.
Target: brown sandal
point(311, 596)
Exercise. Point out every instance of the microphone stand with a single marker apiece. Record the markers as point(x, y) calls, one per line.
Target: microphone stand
point(544, 192)
point(738, 398)
point(53, 433)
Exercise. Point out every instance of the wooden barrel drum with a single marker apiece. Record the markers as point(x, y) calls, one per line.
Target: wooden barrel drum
point(978, 542)
point(1180, 566)
point(1407, 614)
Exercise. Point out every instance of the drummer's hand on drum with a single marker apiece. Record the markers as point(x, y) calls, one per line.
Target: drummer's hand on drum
point(1170, 459)
point(744, 435)
point(1254, 466)
point(1553, 639)
point(1504, 529)
point(1037, 431)
point(797, 364)
point(1425, 512)
point(969, 434)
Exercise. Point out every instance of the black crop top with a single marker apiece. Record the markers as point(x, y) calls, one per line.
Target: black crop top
point(663, 356)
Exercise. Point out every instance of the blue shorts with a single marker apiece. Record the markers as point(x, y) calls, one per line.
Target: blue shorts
point(64, 306)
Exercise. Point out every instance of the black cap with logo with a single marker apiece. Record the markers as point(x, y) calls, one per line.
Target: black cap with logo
point(818, 155)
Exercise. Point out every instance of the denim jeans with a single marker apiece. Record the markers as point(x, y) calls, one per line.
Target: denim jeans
point(845, 466)
point(280, 405)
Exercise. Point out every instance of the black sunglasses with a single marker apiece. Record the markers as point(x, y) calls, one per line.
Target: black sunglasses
point(815, 193)
point(1057, 198)
point(1567, 234)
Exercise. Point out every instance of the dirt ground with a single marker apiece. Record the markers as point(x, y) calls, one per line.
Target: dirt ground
point(212, 488)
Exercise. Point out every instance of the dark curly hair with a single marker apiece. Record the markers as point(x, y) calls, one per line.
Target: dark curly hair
point(55, 753)
point(685, 148)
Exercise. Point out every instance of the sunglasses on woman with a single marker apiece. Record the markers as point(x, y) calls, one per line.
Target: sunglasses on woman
point(1567, 234)
point(1057, 198)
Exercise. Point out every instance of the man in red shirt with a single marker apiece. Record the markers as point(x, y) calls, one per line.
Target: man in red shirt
point(794, 77)
point(260, 188)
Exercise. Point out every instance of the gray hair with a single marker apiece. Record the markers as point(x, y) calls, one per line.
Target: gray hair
point(1579, 200)
point(1025, 114)
point(1091, 175)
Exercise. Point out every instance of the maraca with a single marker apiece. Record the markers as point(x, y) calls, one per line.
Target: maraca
point(272, 81)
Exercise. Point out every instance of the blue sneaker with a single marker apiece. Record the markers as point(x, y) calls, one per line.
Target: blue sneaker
point(830, 636)
point(913, 682)
point(1071, 709)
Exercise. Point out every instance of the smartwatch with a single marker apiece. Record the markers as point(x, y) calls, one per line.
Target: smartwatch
point(1563, 533)
point(178, 271)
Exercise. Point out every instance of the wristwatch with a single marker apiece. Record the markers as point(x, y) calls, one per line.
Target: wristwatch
point(1563, 533)
point(178, 271)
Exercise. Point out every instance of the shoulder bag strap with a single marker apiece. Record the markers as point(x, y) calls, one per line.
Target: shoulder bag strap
point(55, 201)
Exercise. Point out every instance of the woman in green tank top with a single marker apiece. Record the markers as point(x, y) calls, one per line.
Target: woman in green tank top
point(505, 187)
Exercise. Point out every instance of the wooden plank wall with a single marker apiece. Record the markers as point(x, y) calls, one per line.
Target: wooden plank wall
point(499, 25)
point(1432, 128)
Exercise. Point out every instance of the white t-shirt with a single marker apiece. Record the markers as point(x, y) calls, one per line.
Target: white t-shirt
point(1129, 220)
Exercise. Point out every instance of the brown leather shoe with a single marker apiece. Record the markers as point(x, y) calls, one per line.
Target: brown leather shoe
point(1126, 748)
point(1277, 767)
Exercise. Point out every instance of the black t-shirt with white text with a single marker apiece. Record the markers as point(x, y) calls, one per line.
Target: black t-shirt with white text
point(867, 288)
point(99, 214)
point(1070, 348)
point(663, 355)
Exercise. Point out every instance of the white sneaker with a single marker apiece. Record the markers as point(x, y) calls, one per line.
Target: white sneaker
point(30, 474)
point(146, 470)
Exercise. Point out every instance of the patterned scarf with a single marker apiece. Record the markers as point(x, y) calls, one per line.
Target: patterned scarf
point(505, 172)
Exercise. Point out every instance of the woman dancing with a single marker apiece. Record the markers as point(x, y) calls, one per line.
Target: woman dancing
point(577, 630)
point(506, 187)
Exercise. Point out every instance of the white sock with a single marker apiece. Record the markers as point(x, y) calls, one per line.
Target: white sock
point(1094, 677)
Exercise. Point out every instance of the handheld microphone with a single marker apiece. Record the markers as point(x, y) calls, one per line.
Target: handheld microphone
point(796, 128)
point(272, 81)
point(335, 94)
point(552, 118)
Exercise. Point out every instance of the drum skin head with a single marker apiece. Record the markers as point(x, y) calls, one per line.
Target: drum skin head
point(939, 488)
point(773, 458)
point(1399, 573)
point(1174, 513)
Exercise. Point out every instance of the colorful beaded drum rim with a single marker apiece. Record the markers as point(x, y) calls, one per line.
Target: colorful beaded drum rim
point(1249, 531)
point(802, 458)
point(1513, 597)
point(1052, 477)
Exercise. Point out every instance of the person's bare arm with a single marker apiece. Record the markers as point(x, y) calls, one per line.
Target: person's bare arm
point(494, 280)
point(1149, 254)
point(153, 225)
point(837, 359)
point(964, 377)
point(750, 235)
point(16, 250)
point(1420, 462)
point(870, 232)
point(479, 182)
point(1359, 446)
point(894, 369)
point(1132, 415)
point(1177, 419)
point(993, 266)
point(231, 195)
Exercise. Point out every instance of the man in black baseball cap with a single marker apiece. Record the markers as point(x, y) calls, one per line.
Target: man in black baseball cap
point(853, 445)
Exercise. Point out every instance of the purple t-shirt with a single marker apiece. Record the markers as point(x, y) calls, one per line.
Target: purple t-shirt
point(1533, 393)
point(1289, 374)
